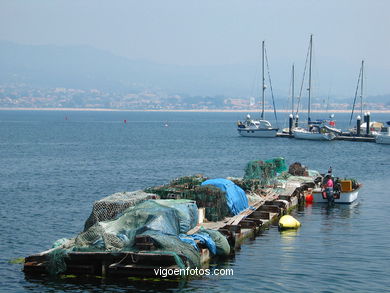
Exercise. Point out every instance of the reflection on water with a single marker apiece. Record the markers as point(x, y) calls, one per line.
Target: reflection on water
point(105, 285)
point(288, 238)
point(288, 235)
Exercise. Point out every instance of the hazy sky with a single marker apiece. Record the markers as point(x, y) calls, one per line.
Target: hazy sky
point(199, 32)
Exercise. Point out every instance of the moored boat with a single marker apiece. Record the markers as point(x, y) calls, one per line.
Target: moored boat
point(345, 191)
point(258, 128)
point(314, 132)
point(310, 135)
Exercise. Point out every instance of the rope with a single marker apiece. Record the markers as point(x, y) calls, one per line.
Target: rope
point(303, 81)
point(255, 90)
point(270, 85)
point(354, 100)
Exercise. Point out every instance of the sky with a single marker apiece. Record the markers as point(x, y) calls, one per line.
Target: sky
point(213, 32)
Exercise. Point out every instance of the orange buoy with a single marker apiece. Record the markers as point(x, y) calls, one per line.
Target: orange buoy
point(309, 198)
point(125, 121)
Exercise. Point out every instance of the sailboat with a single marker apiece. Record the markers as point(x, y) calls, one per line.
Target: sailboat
point(293, 118)
point(258, 128)
point(316, 130)
point(374, 127)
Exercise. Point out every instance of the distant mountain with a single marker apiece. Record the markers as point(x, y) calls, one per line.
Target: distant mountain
point(86, 67)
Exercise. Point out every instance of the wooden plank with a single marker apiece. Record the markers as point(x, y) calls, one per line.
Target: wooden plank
point(355, 138)
point(270, 208)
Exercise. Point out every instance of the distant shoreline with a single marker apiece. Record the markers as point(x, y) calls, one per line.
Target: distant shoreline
point(167, 110)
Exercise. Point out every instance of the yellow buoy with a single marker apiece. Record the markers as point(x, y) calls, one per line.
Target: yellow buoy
point(288, 222)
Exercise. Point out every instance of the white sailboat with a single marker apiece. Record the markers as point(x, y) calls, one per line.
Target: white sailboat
point(253, 127)
point(374, 128)
point(315, 133)
point(314, 130)
point(292, 116)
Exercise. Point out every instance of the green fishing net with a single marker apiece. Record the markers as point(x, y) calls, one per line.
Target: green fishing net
point(161, 220)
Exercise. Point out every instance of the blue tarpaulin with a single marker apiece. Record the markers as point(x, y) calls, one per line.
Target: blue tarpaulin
point(235, 196)
point(188, 239)
point(203, 237)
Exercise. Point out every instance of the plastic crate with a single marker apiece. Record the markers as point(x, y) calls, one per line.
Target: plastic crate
point(346, 185)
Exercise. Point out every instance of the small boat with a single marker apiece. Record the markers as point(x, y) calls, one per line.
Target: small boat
point(345, 191)
point(258, 128)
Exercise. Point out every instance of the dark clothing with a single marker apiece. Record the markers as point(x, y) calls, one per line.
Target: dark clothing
point(329, 195)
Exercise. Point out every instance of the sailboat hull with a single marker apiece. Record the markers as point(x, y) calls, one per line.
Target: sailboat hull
point(262, 132)
point(313, 136)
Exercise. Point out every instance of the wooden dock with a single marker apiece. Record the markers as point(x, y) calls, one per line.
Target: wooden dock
point(284, 135)
point(339, 137)
point(143, 263)
point(356, 138)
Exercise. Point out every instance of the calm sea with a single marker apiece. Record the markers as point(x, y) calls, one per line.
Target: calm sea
point(54, 165)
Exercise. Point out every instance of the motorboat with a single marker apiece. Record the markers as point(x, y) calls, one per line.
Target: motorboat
point(345, 191)
point(256, 128)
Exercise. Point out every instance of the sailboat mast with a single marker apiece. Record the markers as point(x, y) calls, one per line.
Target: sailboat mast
point(309, 89)
point(359, 83)
point(263, 82)
point(361, 90)
point(292, 90)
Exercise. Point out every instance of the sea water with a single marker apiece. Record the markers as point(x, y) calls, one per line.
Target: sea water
point(55, 164)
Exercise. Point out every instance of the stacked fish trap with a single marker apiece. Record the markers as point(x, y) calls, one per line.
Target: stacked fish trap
point(259, 174)
point(209, 197)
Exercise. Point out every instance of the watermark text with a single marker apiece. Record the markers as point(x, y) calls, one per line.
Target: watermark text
point(166, 272)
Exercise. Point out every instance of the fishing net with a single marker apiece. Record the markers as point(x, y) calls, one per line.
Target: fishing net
point(221, 243)
point(109, 207)
point(120, 221)
point(56, 261)
point(297, 169)
point(262, 173)
point(173, 244)
point(209, 197)
point(161, 220)
point(235, 196)
point(167, 217)
point(188, 181)
point(280, 164)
